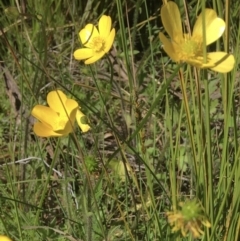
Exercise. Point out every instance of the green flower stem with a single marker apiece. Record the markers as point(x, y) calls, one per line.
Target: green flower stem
point(47, 181)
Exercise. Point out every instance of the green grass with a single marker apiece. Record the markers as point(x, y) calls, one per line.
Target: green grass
point(156, 139)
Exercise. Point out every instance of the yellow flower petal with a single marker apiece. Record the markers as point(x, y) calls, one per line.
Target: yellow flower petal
point(171, 19)
point(4, 238)
point(56, 101)
point(104, 26)
point(84, 127)
point(94, 58)
point(198, 62)
point(87, 34)
point(68, 128)
point(214, 26)
point(45, 115)
point(168, 47)
point(66, 120)
point(83, 53)
point(43, 131)
point(71, 108)
point(109, 41)
point(206, 223)
point(224, 62)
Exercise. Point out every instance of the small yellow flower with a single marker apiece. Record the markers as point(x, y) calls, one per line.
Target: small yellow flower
point(57, 119)
point(96, 42)
point(189, 219)
point(4, 238)
point(189, 48)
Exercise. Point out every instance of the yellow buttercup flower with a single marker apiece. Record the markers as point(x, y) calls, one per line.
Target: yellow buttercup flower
point(97, 42)
point(4, 238)
point(189, 48)
point(57, 119)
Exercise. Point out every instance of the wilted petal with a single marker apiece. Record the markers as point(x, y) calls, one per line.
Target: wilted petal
point(168, 47)
point(84, 127)
point(83, 53)
point(171, 19)
point(214, 26)
point(109, 41)
point(44, 131)
point(104, 26)
point(56, 101)
point(87, 34)
point(45, 115)
point(224, 62)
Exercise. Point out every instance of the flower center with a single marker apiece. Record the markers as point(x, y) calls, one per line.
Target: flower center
point(98, 44)
point(60, 124)
point(190, 48)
